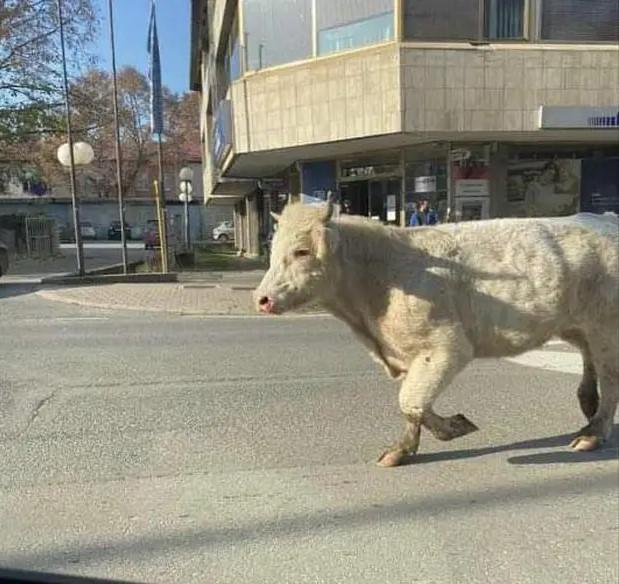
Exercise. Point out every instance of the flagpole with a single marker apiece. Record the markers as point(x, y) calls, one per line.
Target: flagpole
point(119, 177)
point(156, 113)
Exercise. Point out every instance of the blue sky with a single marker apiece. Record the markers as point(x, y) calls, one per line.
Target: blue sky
point(131, 29)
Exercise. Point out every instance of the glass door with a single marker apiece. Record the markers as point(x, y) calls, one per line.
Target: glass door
point(384, 200)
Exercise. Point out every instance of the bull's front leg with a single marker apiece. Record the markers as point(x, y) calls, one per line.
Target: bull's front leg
point(430, 372)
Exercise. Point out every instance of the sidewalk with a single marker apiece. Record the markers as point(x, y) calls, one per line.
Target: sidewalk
point(213, 293)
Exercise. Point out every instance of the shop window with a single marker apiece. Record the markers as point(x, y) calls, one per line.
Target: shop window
point(277, 31)
point(348, 24)
point(580, 20)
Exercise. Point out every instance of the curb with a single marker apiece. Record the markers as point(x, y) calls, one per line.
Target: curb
point(113, 268)
point(146, 278)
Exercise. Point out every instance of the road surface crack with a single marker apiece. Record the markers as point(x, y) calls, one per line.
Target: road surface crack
point(37, 409)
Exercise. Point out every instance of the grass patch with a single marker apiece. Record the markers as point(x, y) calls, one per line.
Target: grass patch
point(215, 258)
point(218, 259)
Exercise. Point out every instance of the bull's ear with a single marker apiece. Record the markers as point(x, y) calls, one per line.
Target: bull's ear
point(275, 216)
point(326, 241)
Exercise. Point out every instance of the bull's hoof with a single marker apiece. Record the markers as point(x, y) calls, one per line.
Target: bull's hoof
point(393, 458)
point(455, 427)
point(586, 443)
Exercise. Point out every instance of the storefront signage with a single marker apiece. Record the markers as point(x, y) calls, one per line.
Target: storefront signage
point(472, 187)
point(574, 117)
point(425, 184)
point(459, 154)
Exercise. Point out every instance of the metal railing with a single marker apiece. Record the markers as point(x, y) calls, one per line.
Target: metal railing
point(41, 237)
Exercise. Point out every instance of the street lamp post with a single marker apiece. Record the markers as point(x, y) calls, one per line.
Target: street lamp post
point(70, 157)
point(70, 150)
point(186, 176)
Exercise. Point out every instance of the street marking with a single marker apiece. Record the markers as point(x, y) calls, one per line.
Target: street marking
point(72, 318)
point(561, 361)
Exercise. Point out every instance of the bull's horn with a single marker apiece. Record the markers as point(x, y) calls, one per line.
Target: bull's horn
point(275, 216)
point(328, 210)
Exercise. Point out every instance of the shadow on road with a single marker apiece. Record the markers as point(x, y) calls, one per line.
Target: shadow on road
point(7, 290)
point(561, 440)
point(459, 505)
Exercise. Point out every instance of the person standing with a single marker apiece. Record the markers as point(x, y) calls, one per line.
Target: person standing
point(431, 216)
point(418, 217)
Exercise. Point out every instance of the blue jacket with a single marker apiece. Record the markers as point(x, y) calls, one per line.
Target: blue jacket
point(416, 220)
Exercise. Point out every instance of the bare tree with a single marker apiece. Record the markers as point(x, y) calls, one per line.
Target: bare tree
point(30, 64)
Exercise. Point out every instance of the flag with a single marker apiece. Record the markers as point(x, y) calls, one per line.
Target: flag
point(154, 76)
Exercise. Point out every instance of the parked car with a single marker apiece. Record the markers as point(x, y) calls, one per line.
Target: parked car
point(151, 235)
point(224, 232)
point(4, 259)
point(87, 230)
point(113, 231)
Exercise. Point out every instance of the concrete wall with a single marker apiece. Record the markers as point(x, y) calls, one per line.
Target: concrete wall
point(335, 98)
point(201, 219)
point(502, 88)
point(410, 88)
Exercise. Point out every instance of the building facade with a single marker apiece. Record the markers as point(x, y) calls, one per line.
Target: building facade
point(484, 107)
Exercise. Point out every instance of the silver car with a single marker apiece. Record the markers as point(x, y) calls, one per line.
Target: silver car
point(224, 232)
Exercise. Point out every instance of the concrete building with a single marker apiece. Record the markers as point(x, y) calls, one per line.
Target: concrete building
point(485, 107)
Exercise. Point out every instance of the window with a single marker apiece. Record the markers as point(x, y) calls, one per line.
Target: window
point(348, 24)
point(580, 20)
point(442, 19)
point(464, 19)
point(504, 19)
point(233, 55)
point(277, 31)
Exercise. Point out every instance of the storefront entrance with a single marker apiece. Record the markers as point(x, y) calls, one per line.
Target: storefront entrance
point(378, 199)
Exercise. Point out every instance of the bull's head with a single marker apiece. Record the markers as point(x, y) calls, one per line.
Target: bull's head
point(299, 258)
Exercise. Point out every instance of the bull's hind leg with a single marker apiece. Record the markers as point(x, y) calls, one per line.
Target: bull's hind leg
point(588, 389)
point(429, 374)
point(604, 349)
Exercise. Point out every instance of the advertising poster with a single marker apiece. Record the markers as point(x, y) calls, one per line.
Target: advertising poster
point(471, 179)
point(544, 188)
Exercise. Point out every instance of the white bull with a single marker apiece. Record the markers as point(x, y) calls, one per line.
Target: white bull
point(427, 301)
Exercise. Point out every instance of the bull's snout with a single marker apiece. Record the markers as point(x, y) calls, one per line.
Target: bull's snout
point(265, 304)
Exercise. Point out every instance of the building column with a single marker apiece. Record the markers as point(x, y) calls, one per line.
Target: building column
point(252, 226)
point(238, 227)
point(403, 188)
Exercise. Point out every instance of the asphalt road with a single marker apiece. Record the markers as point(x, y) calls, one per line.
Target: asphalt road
point(222, 450)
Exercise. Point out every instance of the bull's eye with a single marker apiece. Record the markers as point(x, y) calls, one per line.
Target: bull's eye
point(301, 253)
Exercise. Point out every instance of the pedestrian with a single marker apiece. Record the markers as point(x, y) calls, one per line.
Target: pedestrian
point(418, 217)
point(430, 213)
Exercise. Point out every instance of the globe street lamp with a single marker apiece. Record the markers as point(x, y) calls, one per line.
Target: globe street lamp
point(186, 176)
point(80, 155)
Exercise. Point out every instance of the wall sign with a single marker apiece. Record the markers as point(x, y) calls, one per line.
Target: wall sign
point(425, 184)
point(555, 117)
point(472, 187)
point(391, 208)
